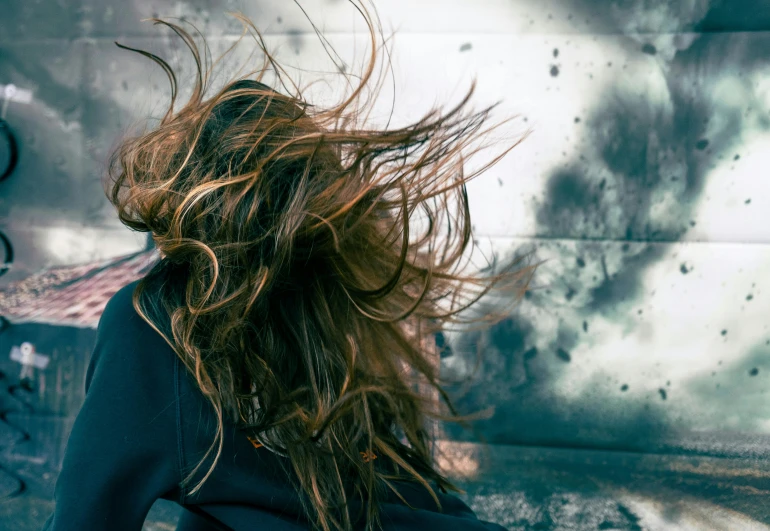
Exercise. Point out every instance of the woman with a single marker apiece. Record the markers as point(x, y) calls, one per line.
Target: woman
point(269, 372)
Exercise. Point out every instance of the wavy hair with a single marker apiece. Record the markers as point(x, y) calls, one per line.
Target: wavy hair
point(317, 257)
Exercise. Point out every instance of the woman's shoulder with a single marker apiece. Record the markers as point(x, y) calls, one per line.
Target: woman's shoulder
point(126, 341)
point(120, 311)
point(120, 304)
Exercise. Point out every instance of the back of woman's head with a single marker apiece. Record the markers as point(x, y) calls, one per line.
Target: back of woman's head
point(303, 293)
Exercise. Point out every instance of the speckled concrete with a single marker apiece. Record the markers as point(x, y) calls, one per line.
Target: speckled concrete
point(529, 489)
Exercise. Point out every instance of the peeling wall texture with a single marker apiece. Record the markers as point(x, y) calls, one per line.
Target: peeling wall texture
point(630, 386)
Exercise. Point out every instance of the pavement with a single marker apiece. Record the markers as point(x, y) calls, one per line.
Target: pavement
point(537, 488)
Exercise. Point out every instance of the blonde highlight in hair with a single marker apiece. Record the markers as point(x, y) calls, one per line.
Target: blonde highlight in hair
point(306, 303)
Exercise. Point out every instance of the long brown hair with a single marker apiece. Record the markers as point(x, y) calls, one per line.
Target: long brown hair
point(318, 258)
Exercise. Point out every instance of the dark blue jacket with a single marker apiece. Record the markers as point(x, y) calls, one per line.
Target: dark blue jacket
point(144, 425)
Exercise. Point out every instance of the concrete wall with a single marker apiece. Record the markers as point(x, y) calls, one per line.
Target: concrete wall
point(644, 184)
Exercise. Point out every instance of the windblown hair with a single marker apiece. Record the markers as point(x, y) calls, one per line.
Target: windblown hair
point(308, 303)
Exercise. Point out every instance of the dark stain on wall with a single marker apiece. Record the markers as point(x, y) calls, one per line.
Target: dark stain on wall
point(624, 285)
point(736, 15)
point(296, 40)
point(634, 150)
point(529, 409)
point(634, 147)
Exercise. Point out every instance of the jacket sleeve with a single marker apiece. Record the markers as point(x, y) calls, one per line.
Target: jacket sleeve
point(122, 453)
